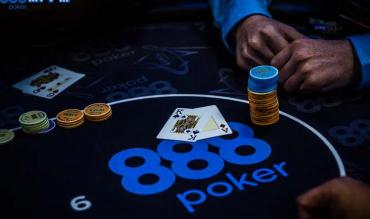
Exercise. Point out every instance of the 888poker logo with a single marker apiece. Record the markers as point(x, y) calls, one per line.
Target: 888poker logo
point(23, 4)
point(181, 167)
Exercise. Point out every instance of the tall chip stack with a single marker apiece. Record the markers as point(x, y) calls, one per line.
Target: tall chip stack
point(262, 95)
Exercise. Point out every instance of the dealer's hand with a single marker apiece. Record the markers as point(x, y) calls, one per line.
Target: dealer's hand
point(259, 39)
point(341, 198)
point(310, 65)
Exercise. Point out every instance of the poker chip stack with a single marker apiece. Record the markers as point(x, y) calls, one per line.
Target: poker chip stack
point(33, 122)
point(73, 118)
point(70, 118)
point(6, 136)
point(262, 95)
point(98, 112)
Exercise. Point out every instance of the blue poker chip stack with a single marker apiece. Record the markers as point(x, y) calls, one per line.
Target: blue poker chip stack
point(262, 95)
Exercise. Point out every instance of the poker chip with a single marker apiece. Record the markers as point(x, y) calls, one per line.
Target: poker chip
point(6, 136)
point(73, 118)
point(262, 95)
point(34, 121)
point(264, 108)
point(98, 112)
point(51, 127)
point(70, 118)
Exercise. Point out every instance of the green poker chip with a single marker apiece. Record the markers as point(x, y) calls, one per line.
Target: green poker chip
point(32, 117)
point(38, 128)
point(6, 136)
point(34, 121)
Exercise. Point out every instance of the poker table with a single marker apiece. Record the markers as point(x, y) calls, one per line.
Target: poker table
point(119, 169)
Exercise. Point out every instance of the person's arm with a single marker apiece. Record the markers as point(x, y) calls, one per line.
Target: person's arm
point(361, 45)
point(228, 13)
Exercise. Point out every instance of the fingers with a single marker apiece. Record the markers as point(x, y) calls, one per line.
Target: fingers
point(288, 66)
point(246, 60)
point(287, 70)
point(263, 38)
point(278, 36)
point(281, 58)
point(313, 82)
point(247, 57)
point(294, 82)
point(315, 202)
point(250, 54)
point(294, 69)
point(316, 77)
point(242, 63)
point(276, 42)
point(304, 78)
point(259, 39)
point(258, 44)
point(315, 198)
point(291, 33)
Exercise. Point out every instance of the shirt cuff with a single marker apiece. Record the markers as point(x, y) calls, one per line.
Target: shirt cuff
point(238, 11)
point(361, 46)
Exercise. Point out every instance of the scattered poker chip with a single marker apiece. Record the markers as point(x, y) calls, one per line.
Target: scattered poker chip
point(6, 136)
point(34, 121)
point(262, 95)
point(98, 112)
point(70, 118)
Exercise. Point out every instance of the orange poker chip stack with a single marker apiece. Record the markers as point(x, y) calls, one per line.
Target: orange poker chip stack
point(70, 118)
point(264, 108)
point(98, 112)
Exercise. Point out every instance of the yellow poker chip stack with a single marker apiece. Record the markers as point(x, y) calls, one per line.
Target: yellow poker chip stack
point(33, 122)
point(262, 95)
point(70, 118)
point(98, 112)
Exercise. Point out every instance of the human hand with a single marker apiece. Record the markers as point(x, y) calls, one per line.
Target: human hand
point(340, 198)
point(312, 65)
point(259, 39)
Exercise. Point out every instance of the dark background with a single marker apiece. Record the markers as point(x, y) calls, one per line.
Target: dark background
point(33, 39)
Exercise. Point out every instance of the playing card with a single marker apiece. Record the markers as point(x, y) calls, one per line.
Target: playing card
point(216, 125)
point(181, 125)
point(49, 82)
point(184, 125)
